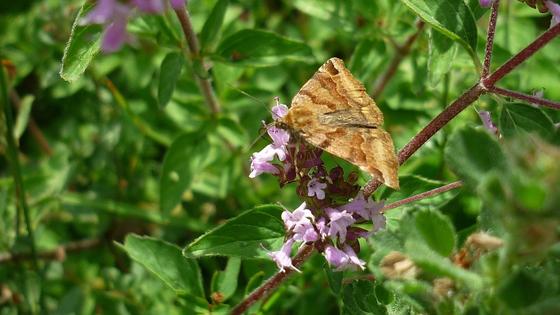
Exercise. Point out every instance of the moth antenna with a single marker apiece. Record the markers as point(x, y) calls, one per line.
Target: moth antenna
point(258, 100)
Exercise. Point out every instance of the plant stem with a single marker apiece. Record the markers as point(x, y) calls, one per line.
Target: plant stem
point(56, 254)
point(423, 195)
point(520, 57)
point(521, 96)
point(21, 202)
point(194, 48)
point(266, 288)
point(490, 39)
point(401, 52)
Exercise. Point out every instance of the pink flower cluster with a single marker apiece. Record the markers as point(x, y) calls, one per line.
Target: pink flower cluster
point(552, 6)
point(320, 220)
point(114, 15)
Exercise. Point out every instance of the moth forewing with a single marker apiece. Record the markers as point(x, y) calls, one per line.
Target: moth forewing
point(334, 112)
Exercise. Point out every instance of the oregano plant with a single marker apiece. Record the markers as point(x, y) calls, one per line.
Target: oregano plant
point(158, 173)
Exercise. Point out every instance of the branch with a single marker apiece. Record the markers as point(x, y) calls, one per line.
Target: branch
point(21, 202)
point(194, 48)
point(521, 96)
point(56, 254)
point(266, 289)
point(523, 55)
point(402, 51)
point(490, 39)
point(429, 193)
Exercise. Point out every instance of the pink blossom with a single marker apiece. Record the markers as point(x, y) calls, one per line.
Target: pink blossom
point(487, 121)
point(335, 257)
point(177, 4)
point(353, 258)
point(339, 223)
point(282, 257)
point(305, 233)
point(554, 9)
point(279, 111)
point(259, 166)
point(279, 136)
point(149, 6)
point(366, 209)
point(316, 188)
point(299, 216)
point(486, 3)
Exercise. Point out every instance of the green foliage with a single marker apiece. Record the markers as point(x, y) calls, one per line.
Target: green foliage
point(114, 146)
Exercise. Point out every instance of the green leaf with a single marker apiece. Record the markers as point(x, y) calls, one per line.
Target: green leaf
point(441, 54)
point(213, 24)
point(436, 230)
point(232, 132)
point(187, 155)
point(23, 115)
point(520, 289)
point(225, 282)
point(166, 262)
point(359, 298)
point(452, 18)
point(258, 47)
point(243, 236)
point(82, 46)
point(335, 279)
point(518, 119)
point(472, 153)
point(168, 75)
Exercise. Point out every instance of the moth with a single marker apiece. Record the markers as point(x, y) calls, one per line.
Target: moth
point(333, 111)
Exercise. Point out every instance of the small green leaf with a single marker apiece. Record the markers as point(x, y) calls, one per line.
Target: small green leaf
point(166, 262)
point(520, 289)
point(82, 46)
point(472, 153)
point(359, 298)
point(518, 119)
point(23, 115)
point(225, 282)
point(243, 236)
point(213, 24)
point(169, 73)
point(258, 47)
point(335, 279)
point(441, 54)
point(187, 155)
point(232, 131)
point(452, 18)
point(436, 230)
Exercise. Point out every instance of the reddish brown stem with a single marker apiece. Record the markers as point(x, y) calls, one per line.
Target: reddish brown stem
point(266, 289)
point(523, 55)
point(528, 98)
point(194, 48)
point(490, 39)
point(401, 52)
point(423, 195)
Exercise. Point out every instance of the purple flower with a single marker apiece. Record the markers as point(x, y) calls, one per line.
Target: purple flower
point(177, 4)
point(316, 188)
point(335, 257)
point(114, 17)
point(299, 216)
point(554, 9)
point(149, 6)
point(279, 136)
point(486, 3)
point(339, 223)
point(305, 233)
point(353, 258)
point(279, 110)
point(282, 257)
point(487, 121)
point(366, 209)
point(259, 166)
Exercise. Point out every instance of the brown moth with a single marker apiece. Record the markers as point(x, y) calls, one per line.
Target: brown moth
point(333, 111)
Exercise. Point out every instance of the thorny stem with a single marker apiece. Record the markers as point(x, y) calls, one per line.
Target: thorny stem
point(56, 254)
point(521, 96)
point(429, 193)
point(264, 290)
point(194, 48)
point(490, 39)
point(21, 202)
point(401, 52)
